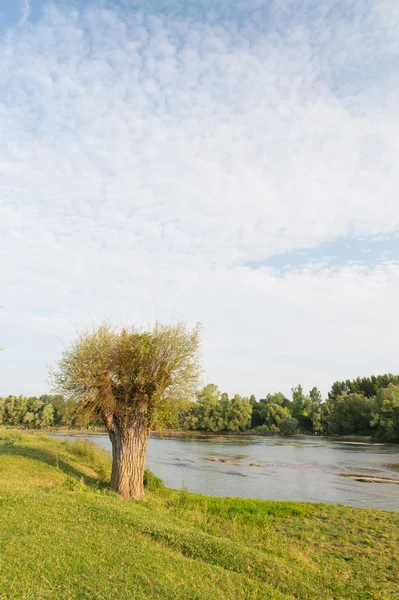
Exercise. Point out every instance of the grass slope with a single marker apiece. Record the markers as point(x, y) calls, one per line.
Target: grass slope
point(64, 535)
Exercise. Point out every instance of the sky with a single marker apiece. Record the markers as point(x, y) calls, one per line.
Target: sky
point(229, 163)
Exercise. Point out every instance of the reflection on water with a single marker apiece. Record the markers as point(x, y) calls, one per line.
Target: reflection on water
point(304, 469)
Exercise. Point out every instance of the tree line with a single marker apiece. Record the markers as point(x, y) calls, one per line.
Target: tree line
point(34, 412)
point(363, 406)
point(366, 406)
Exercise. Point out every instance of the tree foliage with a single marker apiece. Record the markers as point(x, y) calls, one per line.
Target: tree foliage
point(107, 371)
point(213, 411)
point(364, 386)
point(351, 414)
point(288, 426)
point(31, 412)
point(386, 412)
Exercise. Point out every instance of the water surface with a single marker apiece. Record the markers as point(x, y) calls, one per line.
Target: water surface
point(306, 469)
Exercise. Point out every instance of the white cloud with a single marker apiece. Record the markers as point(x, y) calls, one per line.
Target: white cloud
point(25, 13)
point(145, 160)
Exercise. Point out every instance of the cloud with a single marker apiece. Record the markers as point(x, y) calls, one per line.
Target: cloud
point(25, 13)
point(146, 159)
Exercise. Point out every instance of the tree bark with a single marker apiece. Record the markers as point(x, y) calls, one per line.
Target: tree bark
point(129, 449)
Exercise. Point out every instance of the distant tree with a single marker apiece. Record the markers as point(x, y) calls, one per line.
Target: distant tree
point(29, 419)
point(386, 413)
point(15, 409)
point(237, 414)
point(273, 415)
point(277, 398)
point(288, 425)
point(206, 413)
point(59, 405)
point(316, 411)
point(188, 418)
point(315, 397)
point(257, 415)
point(351, 414)
point(364, 386)
point(47, 416)
point(383, 381)
point(214, 411)
point(35, 405)
point(134, 381)
point(301, 406)
point(338, 388)
point(259, 409)
point(36, 412)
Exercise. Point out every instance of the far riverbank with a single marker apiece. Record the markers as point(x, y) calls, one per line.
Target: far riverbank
point(216, 435)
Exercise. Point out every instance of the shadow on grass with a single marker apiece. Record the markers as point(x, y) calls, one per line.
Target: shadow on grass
point(53, 459)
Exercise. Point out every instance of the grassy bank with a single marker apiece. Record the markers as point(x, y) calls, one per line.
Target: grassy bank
point(64, 535)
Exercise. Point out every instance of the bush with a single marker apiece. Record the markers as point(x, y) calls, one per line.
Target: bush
point(152, 482)
point(10, 437)
point(74, 485)
point(262, 429)
point(289, 425)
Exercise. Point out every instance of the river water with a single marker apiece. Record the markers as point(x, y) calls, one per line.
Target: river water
point(306, 469)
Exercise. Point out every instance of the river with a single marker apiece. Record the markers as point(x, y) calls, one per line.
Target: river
point(306, 469)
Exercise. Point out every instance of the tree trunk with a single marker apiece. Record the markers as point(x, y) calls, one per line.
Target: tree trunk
point(129, 449)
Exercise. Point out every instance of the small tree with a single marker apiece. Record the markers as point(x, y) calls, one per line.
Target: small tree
point(206, 413)
point(134, 381)
point(237, 414)
point(29, 418)
point(316, 410)
point(301, 407)
point(47, 416)
point(273, 414)
point(289, 425)
point(386, 412)
point(14, 410)
point(351, 414)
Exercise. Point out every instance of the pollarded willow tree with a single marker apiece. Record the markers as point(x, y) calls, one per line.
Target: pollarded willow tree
point(135, 381)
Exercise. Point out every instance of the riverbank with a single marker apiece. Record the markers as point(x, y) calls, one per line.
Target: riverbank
point(251, 432)
point(64, 535)
point(218, 435)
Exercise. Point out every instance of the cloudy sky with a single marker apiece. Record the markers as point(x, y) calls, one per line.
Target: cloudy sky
point(233, 163)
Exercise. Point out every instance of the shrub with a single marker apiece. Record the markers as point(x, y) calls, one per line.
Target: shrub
point(10, 437)
point(152, 482)
point(289, 425)
point(73, 484)
point(262, 429)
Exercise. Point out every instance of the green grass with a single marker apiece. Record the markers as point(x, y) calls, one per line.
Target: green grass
point(64, 535)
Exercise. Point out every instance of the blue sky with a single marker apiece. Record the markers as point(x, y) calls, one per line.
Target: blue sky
point(229, 163)
point(366, 252)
